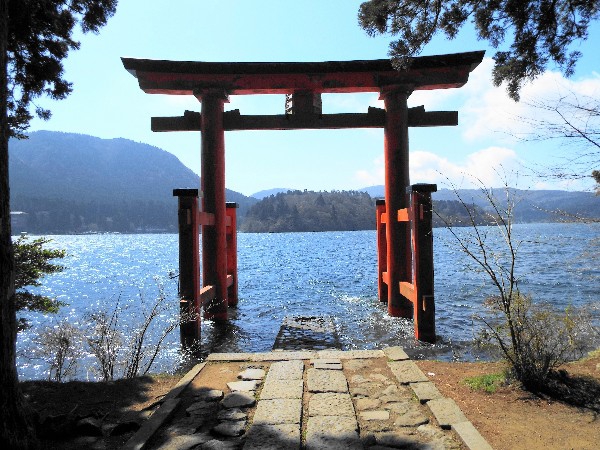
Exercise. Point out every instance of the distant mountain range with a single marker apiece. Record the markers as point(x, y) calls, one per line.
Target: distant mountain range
point(531, 205)
point(69, 182)
point(74, 183)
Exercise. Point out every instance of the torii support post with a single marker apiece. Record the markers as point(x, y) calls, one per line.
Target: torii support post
point(189, 265)
point(232, 290)
point(214, 237)
point(382, 288)
point(398, 253)
point(423, 278)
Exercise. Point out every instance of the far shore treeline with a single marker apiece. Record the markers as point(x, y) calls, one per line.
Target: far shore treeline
point(65, 183)
point(335, 211)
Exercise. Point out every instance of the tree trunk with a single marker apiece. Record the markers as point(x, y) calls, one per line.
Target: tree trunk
point(15, 431)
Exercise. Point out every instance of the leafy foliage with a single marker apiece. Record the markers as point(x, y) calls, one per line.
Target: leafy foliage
point(33, 262)
point(40, 36)
point(541, 31)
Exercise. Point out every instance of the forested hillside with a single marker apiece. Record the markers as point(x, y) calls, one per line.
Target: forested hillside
point(530, 205)
point(73, 183)
point(336, 211)
point(311, 211)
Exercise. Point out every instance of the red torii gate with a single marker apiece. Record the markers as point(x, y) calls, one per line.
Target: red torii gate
point(405, 256)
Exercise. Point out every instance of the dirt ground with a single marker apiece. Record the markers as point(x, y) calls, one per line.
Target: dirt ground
point(510, 418)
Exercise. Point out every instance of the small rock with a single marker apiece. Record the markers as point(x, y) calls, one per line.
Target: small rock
point(378, 377)
point(187, 425)
point(411, 419)
point(242, 386)
point(209, 395)
point(252, 374)
point(238, 400)
point(89, 426)
point(230, 428)
point(390, 398)
point(124, 428)
point(215, 444)
point(198, 408)
point(430, 431)
point(399, 407)
point(396, 439)
point(390, 390)
point(89, 442)
point(231, 414)
point(358, 379)
point(327, 364)
point(60, 426)
point(359, 392)
point(375, 415)
point(183, 442)
point(367, 403)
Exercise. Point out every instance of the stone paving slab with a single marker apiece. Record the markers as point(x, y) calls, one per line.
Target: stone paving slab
point(243, 386)
point(351, 354)
point(327, 364)
point(332, 432)
point(330, 404)
point(469, 435)
point(395, 353)
point(380, 402)
point(278, 411)
point(282, 389)
point(425, 391)
point(230, 357)
point(273, 437)
point(252, 374)
point(326, 381)
point(286, 370)
point(407, 372)
point(284, 355)
point(446, 412)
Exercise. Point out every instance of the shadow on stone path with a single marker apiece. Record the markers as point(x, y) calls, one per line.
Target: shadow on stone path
point(329, 399)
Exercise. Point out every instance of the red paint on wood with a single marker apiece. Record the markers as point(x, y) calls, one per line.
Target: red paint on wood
point(182, 77)
point(232, 270)
point(382, 288)
point(189, 266)
point(396, 182)
point(214, 240)
point(206, 219)
point(423, 274)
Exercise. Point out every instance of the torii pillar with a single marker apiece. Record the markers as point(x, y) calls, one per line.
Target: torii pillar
point(396, 181)
point(214, 237)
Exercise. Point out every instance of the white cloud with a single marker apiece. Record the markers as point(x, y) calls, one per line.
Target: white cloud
point(490, 166)
point(489, 111)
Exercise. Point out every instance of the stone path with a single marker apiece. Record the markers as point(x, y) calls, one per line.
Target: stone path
point(309, 400)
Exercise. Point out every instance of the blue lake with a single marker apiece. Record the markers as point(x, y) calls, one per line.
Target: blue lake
point(307, 274)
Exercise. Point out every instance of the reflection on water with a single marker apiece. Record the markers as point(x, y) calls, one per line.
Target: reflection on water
point(329, 274)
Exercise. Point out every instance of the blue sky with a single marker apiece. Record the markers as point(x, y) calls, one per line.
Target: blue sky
point(108, 103)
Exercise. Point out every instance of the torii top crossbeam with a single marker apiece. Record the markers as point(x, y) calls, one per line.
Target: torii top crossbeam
point(241, 78)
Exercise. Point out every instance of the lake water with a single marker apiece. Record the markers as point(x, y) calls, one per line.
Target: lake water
point(329, 274)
